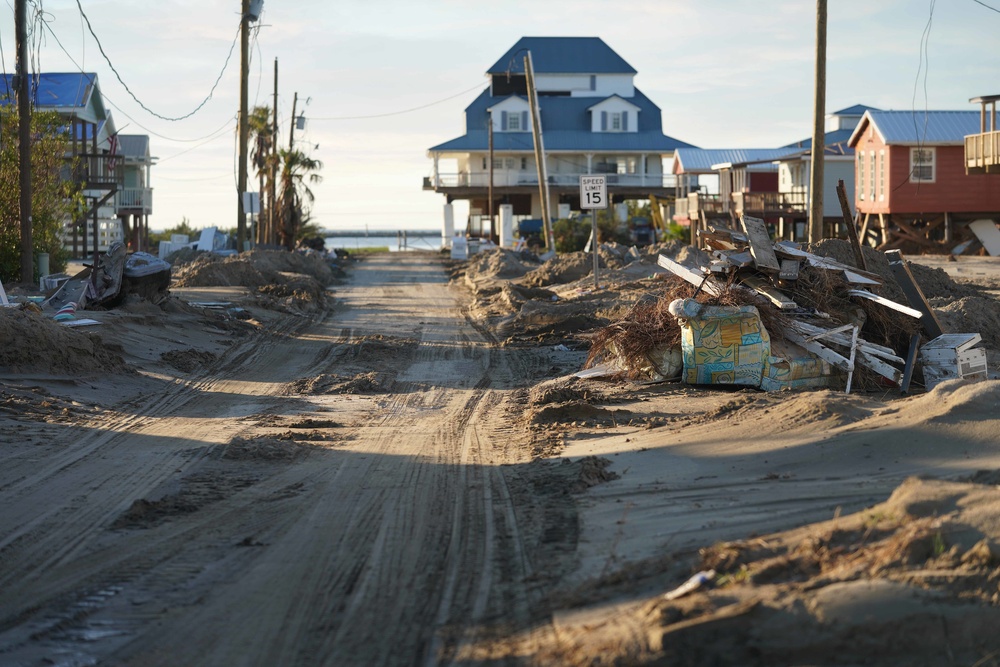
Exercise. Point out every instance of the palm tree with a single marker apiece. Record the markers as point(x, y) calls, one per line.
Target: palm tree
point(262, 136)
point(298, 170)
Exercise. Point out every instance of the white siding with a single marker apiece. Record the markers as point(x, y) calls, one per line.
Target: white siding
point(579, 84)
point(612, 106)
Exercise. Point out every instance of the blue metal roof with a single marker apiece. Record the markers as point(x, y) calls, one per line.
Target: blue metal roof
point(562, 55)
point(700, 160)
point(834, 143)
point(856, 110)
point(53, 89)
point(922, 127)
point(566, 125)
point(564, 140)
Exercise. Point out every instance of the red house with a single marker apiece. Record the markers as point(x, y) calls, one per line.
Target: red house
point(912, 189)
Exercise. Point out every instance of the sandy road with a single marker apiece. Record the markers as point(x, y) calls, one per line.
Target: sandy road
point(127, 539)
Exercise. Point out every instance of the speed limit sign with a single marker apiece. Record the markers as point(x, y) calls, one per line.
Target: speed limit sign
point(593, 192)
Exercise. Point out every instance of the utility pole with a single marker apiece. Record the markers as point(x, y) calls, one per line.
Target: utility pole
point(244, 126)
point(24, 139)
point(291, 130)
point(818, 138)
point(272, 236)
point(536, 129)
point(493, 231)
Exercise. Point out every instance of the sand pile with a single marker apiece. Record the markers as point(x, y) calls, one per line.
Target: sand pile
point(251, 269)
point(34, 342)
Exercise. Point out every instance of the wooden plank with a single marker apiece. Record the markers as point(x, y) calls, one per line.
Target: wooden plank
point(911, 363)
point(789, 269)
point(735, 236)
point(852, 231)
point(858, 279)
point(826, 354)
point(873, 349)
point(879, 366)
point(988, 234)
point(914, 295)
point(793, 251)
point(888, 303)
point(761, 246)
point(789, 250)
point(737, 259)
point(767, 290)
point(696, 278)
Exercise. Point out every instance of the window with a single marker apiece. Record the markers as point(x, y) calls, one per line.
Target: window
point(514, 122)
point(616, 122)
point(922, 165)
point(871, 175)
point(524, 163)
point(861, 175)
point(498, 163)
point(881, 175)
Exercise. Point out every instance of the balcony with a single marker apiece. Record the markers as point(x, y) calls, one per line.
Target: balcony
point(982, 153)
point(767, 204)
point(134, 200)
point(710, 205)
point(513, 179)
point(97, 172)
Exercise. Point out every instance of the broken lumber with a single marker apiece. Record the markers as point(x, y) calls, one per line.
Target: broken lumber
point(696, 278)
point(763, 287)
point(988, 234)
point(761, 246)
point(888, 303)
point(913, 293)
point(852, 231)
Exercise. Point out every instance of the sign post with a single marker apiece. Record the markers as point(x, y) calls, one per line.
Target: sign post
point(594, 195)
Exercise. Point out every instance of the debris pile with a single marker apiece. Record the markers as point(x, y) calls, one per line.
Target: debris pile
point(776, 316)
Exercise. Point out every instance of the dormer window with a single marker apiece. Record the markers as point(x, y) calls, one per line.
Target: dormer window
point(514, 121)
point(614, 121)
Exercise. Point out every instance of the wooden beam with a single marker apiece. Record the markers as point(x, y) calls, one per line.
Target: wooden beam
point(913, 293)
point(852, 231)
point(761, 246)
point(888, 303)
point(696, 278)
point(768, 291)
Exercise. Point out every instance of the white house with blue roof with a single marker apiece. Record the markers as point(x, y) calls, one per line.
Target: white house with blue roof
point(593, 119)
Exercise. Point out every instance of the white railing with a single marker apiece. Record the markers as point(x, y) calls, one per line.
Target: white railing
point(134, 198)
point(513, 179)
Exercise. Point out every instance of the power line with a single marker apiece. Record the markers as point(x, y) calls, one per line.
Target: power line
point(396, 113)
point(979, 2)
point(211, 92)
point(121, 111)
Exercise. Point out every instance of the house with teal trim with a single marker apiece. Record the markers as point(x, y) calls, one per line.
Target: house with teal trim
point(111, 170)
point(593, 121)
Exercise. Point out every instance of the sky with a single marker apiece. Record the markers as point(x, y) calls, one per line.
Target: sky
point(381, 81)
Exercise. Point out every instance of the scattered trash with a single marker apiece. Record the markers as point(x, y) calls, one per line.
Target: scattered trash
point(691, 585)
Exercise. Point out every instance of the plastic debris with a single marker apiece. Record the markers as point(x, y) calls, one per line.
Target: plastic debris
point(691, 585)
